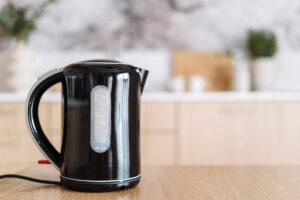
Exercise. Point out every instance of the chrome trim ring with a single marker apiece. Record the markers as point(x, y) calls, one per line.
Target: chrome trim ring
point(103, 181)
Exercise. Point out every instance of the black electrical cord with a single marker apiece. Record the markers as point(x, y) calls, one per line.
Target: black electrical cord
point(30, 179)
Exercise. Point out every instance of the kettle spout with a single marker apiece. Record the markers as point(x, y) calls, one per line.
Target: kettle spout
point(143, 77)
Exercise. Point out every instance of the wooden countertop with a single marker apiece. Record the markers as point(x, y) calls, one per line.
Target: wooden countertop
point(174, 182)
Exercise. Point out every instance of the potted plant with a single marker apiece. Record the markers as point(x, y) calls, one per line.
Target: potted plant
point(262, 45)
point(16, 25)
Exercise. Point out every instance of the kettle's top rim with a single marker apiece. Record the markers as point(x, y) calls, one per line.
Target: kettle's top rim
point(104, 62)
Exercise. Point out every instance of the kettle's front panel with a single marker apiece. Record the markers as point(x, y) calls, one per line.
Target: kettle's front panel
point(102, 131)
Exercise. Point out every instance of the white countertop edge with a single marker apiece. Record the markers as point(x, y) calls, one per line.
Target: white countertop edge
point(182, 97)
point(21, 97)
point(223, 96)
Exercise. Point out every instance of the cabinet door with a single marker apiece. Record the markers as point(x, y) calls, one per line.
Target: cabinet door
point(157, 133)
point(12, 117)
point(239, 133)
point(158, 115)
point(16, 144)
point(157, 147)
point(56, 114)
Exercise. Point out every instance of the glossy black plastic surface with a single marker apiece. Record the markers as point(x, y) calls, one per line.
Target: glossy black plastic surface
point(98, 187)
point(32, 118)
point(77, 160)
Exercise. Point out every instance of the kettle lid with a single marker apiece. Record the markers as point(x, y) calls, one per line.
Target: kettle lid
point(100, 60)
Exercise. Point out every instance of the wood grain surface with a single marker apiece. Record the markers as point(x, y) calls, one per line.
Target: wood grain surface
point(255, 133)
point(215, 68)
point(174, 182)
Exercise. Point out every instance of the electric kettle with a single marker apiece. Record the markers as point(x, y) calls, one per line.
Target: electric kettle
point(101, 124)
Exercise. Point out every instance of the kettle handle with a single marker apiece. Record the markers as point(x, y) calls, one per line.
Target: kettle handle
point(32, 119)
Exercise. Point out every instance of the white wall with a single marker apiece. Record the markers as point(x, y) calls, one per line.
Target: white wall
point(114, 26)
point(214, 25)
point(288, 71)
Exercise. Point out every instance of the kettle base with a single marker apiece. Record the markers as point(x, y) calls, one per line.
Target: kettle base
point(94, 186)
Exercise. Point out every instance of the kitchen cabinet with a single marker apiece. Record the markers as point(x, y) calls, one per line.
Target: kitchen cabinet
point(15, 141)
point(158, 133)
point(12, 117)
point(157, 147)
point(239, 133)
point(181, 132)
point(157, 138)
point(158, 115)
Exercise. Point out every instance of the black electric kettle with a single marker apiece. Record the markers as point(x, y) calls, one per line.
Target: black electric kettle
point(101, 124)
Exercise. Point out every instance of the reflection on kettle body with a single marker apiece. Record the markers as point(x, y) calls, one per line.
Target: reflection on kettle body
point(121, 121)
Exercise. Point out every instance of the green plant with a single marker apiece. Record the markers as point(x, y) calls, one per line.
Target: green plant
point(262, 43)
point(16, 23)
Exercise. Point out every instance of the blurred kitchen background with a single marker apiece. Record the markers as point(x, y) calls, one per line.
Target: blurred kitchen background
point(223, 87)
